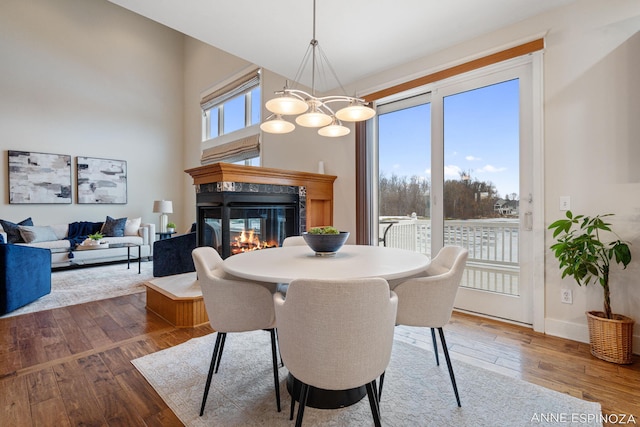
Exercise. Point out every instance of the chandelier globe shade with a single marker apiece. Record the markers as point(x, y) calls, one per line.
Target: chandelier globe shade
point(314, 118)
point(276, 124)
point(311, 110)
point(286, 105)
point(355, 112)
point(334, 130)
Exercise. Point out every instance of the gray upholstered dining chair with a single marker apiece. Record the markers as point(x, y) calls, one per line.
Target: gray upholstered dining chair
point(336, 335)
point(294, 241)
point(428, 301)
point(233, 305)
point(290, 241)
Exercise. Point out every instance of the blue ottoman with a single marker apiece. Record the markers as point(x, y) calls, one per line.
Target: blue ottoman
point(25, 275)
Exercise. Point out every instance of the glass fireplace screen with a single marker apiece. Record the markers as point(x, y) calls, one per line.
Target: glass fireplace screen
point(240, 228)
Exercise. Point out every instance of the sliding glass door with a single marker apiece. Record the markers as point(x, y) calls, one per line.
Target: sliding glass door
point(454, 168)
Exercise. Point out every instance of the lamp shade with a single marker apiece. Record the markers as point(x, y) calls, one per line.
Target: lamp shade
point(355, 113)
point(163, 206)
point(277, 125)
point(313, 119)
point(287, 105)
point(334, 130)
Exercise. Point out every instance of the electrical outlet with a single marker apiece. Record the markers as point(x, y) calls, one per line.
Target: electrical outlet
point(565, 203)
point(565, 296)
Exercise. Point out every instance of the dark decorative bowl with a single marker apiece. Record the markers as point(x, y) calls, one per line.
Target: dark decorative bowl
point(325, 244)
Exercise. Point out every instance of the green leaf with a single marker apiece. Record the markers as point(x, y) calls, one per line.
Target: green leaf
point(585, 251)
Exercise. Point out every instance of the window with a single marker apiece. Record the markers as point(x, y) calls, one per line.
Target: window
point(231, 119)
point(231, 107)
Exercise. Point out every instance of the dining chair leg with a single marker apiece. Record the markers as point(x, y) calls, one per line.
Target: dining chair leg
point(276, 377)
point(376, 393)
point(293, 406)
point(446, 356)
point(380, 389)
point(281, 362)
point(375, 409)
point(214, 357)
point(304, 393)
point(435, 345)
point(224, 338)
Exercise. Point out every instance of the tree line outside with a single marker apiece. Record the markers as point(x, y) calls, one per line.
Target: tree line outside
point(464, 198)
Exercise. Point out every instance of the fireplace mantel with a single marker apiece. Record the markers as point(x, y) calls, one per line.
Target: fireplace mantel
point(319, 187)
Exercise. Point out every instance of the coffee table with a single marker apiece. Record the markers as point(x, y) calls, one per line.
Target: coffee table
point(129, 246)
point(116, 245)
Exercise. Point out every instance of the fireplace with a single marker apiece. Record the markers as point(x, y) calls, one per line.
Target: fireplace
point(232, 219)
point(241, 208)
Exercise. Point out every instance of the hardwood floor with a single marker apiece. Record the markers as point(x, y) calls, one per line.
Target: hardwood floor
point(71, 366)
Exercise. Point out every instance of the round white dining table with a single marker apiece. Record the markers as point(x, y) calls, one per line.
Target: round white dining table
point(284, 264)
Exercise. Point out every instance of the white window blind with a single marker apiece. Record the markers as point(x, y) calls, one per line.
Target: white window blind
point(230, 90)
point(234, 151)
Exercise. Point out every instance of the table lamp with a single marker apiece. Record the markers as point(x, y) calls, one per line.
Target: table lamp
point(163, 207)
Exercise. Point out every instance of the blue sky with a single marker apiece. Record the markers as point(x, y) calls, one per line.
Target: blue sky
point(481, 136)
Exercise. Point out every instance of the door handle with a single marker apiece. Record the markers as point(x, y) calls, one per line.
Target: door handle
point(528, 221)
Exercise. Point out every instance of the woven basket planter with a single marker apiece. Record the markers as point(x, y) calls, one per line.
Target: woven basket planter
point(611, 339)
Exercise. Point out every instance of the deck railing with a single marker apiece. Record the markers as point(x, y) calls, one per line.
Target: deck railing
point(492, 244)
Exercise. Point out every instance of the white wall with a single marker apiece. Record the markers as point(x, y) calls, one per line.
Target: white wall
point(87, 78)
point(592, 145)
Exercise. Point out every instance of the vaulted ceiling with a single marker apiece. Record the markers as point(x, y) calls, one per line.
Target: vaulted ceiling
point(359, 37)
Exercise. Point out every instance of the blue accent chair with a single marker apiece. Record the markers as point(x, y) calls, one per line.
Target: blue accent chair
point(25, 275)
point(173, 256)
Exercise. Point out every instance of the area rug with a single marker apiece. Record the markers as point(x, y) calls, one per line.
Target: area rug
point(79, 285)
point(417, 392)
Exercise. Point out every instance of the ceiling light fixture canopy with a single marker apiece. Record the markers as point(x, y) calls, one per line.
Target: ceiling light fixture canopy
point(313, 111)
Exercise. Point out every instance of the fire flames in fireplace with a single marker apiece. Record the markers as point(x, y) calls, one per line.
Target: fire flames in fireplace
point(249, 241)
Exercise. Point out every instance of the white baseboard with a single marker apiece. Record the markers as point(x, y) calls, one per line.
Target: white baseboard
point(577, 332)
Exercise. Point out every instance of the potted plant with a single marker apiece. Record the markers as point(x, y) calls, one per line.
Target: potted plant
point(325, 241)
point(587, 257)
point(96, 236)
point(94, 241)
point(171, 227)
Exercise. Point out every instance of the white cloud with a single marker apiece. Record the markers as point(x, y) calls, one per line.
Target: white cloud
point(491, 169)
point(396, 166)
point(452, 170)
point(473, 158)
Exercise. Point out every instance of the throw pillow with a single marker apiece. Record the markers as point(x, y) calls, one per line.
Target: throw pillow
point(114, 227)
point(35, 234)
point(132, 226)
point(12, 230)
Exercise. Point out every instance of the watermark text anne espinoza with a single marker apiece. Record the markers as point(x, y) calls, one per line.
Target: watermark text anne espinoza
point(563, 417)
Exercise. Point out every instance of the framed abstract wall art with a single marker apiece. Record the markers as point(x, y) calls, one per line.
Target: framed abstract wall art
point(39, 177)
point(101, 181)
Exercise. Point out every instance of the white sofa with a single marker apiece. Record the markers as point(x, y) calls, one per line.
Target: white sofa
point(60, 248)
